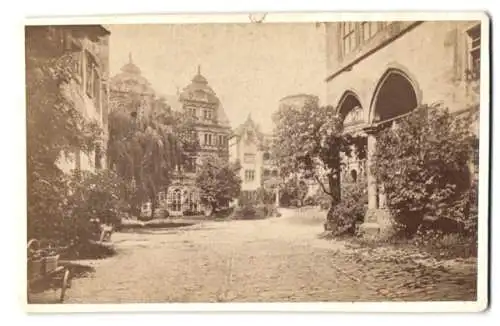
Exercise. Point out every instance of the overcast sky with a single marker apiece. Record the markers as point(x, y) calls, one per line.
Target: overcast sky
point(249, 66)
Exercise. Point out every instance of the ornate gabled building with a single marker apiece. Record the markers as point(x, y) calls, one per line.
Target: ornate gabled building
point(130, 90)
point(211, 127)
point(249, 146)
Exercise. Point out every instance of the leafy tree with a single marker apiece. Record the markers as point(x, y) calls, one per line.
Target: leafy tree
point(218, 181)
point(294, 189)
point(150, 151)
point(56, 128)
point(309, 142)
point(93, 195)
point(423, 164)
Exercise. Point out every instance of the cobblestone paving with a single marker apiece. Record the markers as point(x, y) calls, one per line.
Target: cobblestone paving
point(273, 260)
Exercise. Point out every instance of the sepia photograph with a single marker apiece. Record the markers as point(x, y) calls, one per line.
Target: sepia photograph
point(318, 159)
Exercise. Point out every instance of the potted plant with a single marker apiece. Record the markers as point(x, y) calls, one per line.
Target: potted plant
point(50, 261)
point(35, 261)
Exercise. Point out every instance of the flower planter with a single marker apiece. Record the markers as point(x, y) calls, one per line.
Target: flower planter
point(34, 268)
point(50, 263)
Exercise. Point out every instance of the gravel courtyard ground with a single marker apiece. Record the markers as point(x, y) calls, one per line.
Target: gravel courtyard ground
point(274, 260)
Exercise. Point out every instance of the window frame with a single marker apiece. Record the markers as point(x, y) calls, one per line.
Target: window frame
point(373, 29)
point(350, 35)
point(249, 175)
point(474, 51)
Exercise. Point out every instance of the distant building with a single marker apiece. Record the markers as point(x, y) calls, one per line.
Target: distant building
point(249, 146)
point(212, 128)
point(88, 88)
point(380, 71)
point(297, 100)
point(131, 91)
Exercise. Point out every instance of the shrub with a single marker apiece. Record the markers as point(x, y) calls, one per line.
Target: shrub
point(343, 217)
point(310, 201)
point(251, 212)
point(424, 166)
point(223, 213)
point(446, 245)
point(93, 196)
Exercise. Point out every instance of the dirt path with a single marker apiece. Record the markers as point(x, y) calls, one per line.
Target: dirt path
point(279, 259)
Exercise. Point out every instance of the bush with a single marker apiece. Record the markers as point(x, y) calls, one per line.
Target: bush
point(223, 213)
point(424, 166)
point(94, 198)
point(343, 217)
point(251, 212)
point(446, 245)
point(310, 201)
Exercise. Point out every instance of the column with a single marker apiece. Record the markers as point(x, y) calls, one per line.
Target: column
point(382, 199)
point(370, 178)
point(277, 202)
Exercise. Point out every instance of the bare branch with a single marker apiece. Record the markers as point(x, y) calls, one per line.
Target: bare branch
point(322, 185)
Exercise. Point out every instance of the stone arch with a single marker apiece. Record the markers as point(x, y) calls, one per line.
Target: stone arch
point(349, 108)
point(396, 93)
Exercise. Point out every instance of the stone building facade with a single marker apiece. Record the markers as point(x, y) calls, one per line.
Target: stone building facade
point(88, 46)
point(249, 146)
point(211, 127)
point(380, 71)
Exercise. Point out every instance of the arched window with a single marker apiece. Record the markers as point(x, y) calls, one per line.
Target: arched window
point(354, 175)
point(175, 200)
point(267, 156)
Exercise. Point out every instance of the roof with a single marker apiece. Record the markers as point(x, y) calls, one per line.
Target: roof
point(199, 90)
point(130, 79)
point(248, 125)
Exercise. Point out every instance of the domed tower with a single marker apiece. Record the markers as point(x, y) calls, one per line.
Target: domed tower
point(297, 100)
point(130, 91)
point(211, 124)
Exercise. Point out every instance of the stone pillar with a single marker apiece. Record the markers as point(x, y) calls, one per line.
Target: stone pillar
point(370, 178)
point(382, 200)
point(370, 225)
point(277, 201)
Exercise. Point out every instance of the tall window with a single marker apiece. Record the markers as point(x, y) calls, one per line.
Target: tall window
point(208, 139)
point(249, 175)
point(98, 157)
point(89, 71)
point(174, 199)
point(474, 51)
point(222, 141)
point(97, 89)
point(192, 112)
point(92, 80)
point(368, 30)
point(348, 37)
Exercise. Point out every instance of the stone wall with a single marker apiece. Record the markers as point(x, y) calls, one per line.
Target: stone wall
point(432, 54)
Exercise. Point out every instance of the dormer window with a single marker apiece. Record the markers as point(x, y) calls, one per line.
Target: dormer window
point(207, 114)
